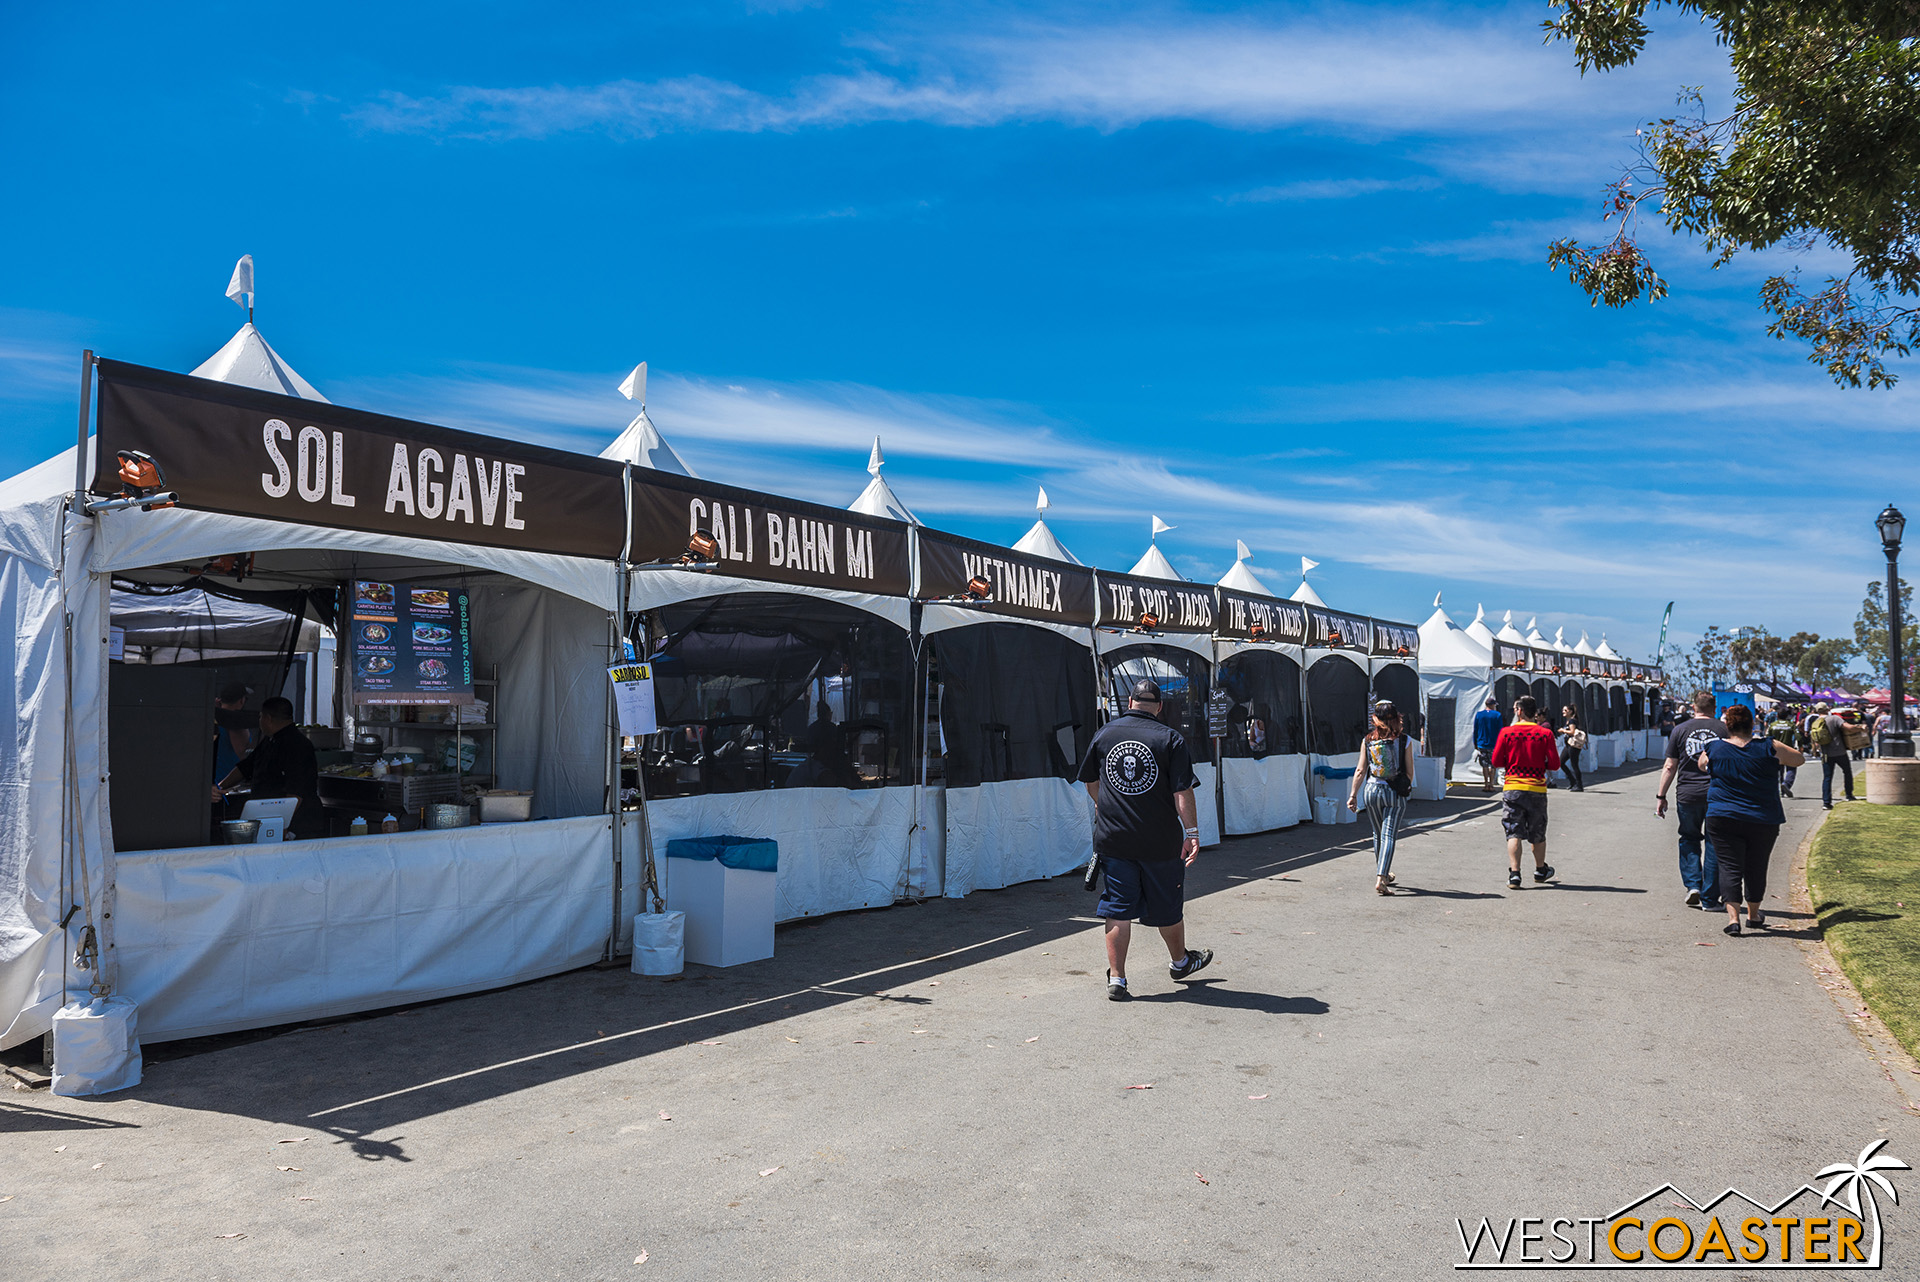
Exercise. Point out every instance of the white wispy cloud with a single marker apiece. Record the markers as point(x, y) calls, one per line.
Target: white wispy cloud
point(1399, 71)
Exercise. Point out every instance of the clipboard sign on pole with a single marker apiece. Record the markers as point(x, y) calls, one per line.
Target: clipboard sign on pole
point(633, 698)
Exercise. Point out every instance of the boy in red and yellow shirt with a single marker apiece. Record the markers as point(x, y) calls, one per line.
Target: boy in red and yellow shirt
point(1525, 751)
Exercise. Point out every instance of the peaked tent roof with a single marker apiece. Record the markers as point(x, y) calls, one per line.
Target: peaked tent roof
point(878, 499)
point(1482, 634)
point(1606, 651)
point(1305, 595)
point(1508, 632)
point(248, 361)
point(1583, 647)
point(1040, 541)
point(643, 446)
point(1444, 644)
point(1241, 579)
point(1153, 564)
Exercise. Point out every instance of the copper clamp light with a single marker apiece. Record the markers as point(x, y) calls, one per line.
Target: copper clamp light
point(1148, 622)
point(142, 485)
point(977, 595)
point(702, 555)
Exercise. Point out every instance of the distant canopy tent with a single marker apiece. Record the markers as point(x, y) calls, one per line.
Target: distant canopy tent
point(1258, 648)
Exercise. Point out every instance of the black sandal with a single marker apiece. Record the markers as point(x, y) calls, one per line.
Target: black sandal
point(1731, 928)
point(1757, 922)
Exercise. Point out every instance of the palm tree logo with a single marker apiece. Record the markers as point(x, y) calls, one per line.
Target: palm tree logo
point(1856, 1179)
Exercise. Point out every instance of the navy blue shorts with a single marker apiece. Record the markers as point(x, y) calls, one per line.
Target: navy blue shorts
point(1147, 893)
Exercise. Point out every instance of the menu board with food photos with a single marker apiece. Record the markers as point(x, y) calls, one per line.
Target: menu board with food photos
point(410, 644)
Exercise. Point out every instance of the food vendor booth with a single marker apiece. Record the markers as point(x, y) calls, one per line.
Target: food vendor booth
point(1007, 655)
point(780, 637)
point(465, 578)
point(1163, 629)
point(1259, 644)
point(1339, 678)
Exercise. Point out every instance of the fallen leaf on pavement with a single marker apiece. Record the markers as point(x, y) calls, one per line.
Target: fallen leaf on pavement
point(1203, 1179)
point(61, 1149)
point(859, 1042)
point(229, 1235)
point(706, 1043)
point(1701, 943)
point(1144, 1086)
point(303, 1199)
point(769, 1171)
point(918, 1031)
point(665, 1116)
point(794, 1040)
point(302, 1140)
point(1309, 932)
point(1032, 1040)
point(640, 1258)
point(1236, 932)
point(7, 1198)
point(933, 983)
point(98, 1165)
point(1256, 1097)
point(286, 1168)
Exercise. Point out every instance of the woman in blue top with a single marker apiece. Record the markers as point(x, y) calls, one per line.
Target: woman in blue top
point(1743, 811)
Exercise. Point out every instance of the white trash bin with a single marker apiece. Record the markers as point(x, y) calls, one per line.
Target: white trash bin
point(1324, 810)
point(725, 886)
point(659, 943)
point(96, 1047)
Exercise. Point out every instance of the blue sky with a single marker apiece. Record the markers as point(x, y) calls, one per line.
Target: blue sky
point(1273, 272)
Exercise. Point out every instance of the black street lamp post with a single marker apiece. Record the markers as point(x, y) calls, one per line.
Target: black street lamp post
point(1899, 743)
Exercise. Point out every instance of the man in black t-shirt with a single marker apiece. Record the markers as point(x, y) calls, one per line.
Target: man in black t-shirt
point(282, 765)
point(1699, 869)
point(1146, 831)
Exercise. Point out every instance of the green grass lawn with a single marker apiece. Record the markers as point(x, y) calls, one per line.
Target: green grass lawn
point(1863, 873)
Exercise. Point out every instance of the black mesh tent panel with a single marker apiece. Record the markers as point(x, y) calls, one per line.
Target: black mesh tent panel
point(1184, 679)
point(1400, 684)
point(1506, 689)
point(1594, 701)
point(1266, 716)
point(771, 690)
point(1336, 706)
point(1570, 697)
point(1543, 691)
point(1016, 702)
point(1617, 709)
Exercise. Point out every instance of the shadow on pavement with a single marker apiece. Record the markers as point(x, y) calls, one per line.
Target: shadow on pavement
point(25, 1117)
point(1207, 992)
point(360, 1078)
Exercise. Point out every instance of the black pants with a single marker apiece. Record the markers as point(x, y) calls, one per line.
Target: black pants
point(1570, 767)
point(1743, 848)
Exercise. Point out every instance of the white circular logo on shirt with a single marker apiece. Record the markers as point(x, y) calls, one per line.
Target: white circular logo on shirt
point(1697, 742)
point(1131, 769)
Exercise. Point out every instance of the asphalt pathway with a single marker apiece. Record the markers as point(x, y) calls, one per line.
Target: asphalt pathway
point(940, 1090)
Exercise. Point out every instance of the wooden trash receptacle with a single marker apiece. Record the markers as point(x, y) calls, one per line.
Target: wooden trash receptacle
point(1893, 781)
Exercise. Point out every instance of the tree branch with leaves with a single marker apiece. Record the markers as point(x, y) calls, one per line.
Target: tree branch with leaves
point(1821, 150)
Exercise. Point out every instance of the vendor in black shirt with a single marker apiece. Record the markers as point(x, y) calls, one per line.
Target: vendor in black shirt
point(282, 765)
point(1146, 831)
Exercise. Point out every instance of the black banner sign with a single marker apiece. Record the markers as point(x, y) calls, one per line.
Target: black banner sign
point(1284, 621)
point(1023, 586)
point(1616, 670)
point(1584, 665)
point(1332, 630)
point(1395, 638)
point(246, 452)
point(1176, 607)
point(763, 537)
point(1551, 662)
point(1512, 655)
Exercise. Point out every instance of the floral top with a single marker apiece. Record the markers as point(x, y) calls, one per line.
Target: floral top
point(1382, 757)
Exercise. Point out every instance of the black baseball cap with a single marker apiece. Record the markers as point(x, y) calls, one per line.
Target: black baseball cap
point(1145, 690)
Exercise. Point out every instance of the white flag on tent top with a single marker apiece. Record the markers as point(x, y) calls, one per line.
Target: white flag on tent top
point(876, 459)
point(1306, 565)
point(1240, 550)
point(240, 288)
point(1042, 503)
point(1160, 527)
point(634, 385)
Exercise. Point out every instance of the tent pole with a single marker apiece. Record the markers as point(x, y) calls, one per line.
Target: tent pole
point(80, 478)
